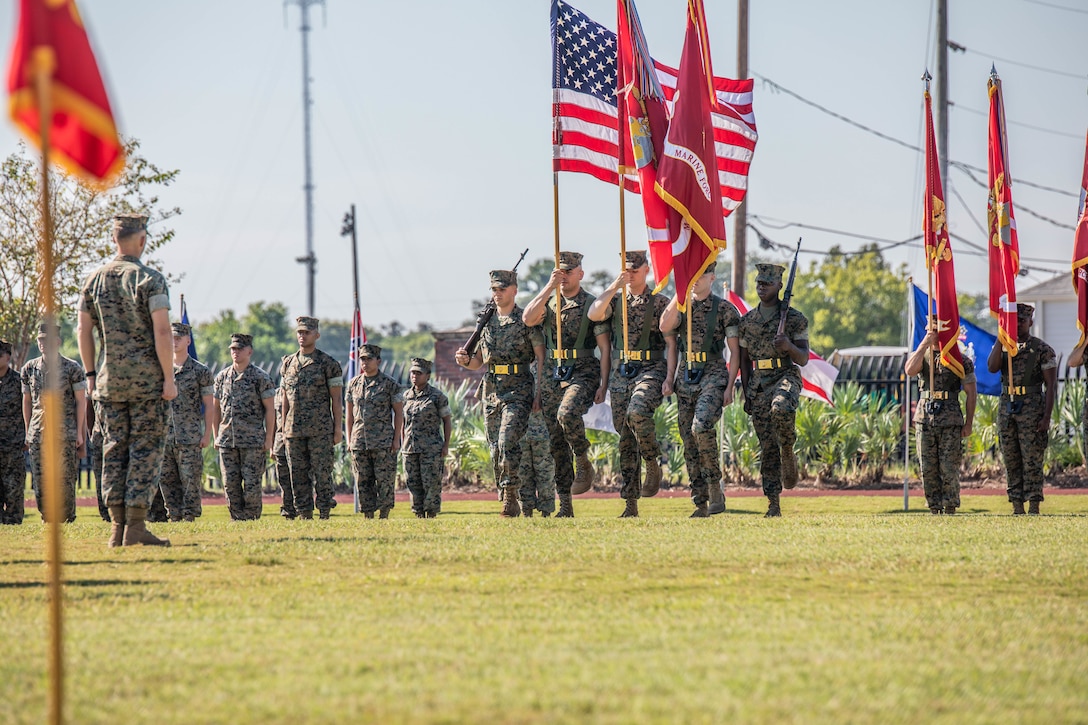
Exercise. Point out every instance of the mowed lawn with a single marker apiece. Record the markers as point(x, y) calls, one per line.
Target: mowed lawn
point(845, 610)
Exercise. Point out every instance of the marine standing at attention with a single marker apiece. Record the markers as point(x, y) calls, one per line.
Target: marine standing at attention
point(428, 425)
point(188, 433)
point(12, 440)
point(129, 304)
point(773, 389)
point(375, 418)
point(312, 385)
point(508, 346)
point(639, 371)
point(577, 378)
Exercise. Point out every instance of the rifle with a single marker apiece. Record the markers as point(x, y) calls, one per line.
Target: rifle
point(485, 316)
point(788, 294)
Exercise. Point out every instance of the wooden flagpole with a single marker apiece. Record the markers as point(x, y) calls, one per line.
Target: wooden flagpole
point(51, 404)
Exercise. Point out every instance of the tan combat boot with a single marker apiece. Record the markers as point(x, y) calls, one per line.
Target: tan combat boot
point(1033, 508)
point(1017, 508)
point(510, 507)
point(651, 483)
point(701, 512)
point(716, 504)
point(789, 467)
point(566, 507)
point(137, 533)
point(630, 511)
point(117, 532)
point(774, 510)
point(583, 474)
point(950, 510)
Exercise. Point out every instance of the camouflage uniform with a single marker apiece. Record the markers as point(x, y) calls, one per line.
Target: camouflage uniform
point(566, 401)
point(537, 469)
point(241, 437)
point(308, 381)
point(423, 441)
point(634, 399)
point(72, 380)
point(1022, 445)
point(775, 392)
point(508, 396)
point(12, 439)
point(120, 297)
point(940, 433)
point(283, 468)
point(94, 451)
point(699, 405)
point(373, 461)
point(183, 463)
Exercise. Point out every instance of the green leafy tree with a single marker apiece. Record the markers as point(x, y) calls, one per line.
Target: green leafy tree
point(82, 234)
point(273, 333)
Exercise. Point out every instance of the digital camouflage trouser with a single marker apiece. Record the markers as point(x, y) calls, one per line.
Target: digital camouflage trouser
point(182, 480)
point(243, 469)
point(310, 461)
point(283, 477)
point(134, 438)
point(506, 419)
point(537, 470)
point(68, 477)
point(564, 404)
point(774, 408)
point(375, 472)
point(699, 408)
point(424, 474)
point(1023, 447)
point(634, 401)
point(940, 453)
point(12, 486)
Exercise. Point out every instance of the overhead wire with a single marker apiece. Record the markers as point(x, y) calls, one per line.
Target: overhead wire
point(1041, 69)
point(1041, 129)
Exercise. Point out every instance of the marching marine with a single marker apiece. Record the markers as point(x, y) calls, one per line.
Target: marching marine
point(189, 431)
point(641, 366)
point(375, 418)
point(772, 390)
point(427, 428)
point(578, 377)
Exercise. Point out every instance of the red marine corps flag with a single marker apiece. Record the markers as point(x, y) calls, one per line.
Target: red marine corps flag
point(687, 174)
point(1080, 255)
point(939, 254)
point(1003, 245)
point(52, 48)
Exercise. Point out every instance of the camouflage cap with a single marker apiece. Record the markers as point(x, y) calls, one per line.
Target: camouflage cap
point(1023, 309)
point(5, 347)
point(569, 260)
point(503, 278)
point(43, 330)
point(769, 273)
point(635, 260)
point(369, 350)
point(306, 323)
point(240, 340)
point(419, 365)
point(180, 329)
point(125, 224)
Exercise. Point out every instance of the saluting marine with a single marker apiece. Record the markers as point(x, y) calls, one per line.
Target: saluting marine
point(578, 377)
point(508, 345)
point(773, 389)
point(641, 366)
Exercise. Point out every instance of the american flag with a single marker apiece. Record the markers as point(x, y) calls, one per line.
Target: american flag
point(358, 339)
point(586, 135)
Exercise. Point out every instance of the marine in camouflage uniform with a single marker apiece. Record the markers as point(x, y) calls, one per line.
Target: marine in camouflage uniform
point(638, 374)
point(94, 451)
point(940, 424)
point(12, 440)
point(375, 417)
point(188, 433)
point(1023, 420)
point(129, 304)
point(283, 468)
point(427, 429)
point(245, 427)
point(773, 389)
point(508, 347)
point(704, 383)
point(312, 384)
point(73, 386)
point(537, 469)
point(577, 378)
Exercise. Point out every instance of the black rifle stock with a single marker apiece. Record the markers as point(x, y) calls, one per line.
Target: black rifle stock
point(485, 316)
point(787, 296)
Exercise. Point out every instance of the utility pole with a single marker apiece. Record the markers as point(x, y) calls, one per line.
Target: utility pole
point(740, 214)
point(942, 89)
point(308, 187)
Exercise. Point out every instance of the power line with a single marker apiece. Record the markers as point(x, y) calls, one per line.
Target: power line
point(1017, 207)
point(1042, 69)
point(1058, 7)
point(960, 107)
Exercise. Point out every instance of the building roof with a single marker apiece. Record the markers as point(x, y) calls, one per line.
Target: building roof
point(1056, 288)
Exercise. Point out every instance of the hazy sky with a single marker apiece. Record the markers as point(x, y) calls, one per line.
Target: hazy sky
point(434, 119)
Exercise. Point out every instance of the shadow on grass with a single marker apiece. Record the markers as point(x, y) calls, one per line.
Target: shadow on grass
point(40, 562)
point(79, 583)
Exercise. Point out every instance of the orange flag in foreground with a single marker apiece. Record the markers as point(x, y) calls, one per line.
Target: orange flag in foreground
point(51, 45)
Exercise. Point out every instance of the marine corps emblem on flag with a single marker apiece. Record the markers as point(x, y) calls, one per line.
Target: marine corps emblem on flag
point(642, 143)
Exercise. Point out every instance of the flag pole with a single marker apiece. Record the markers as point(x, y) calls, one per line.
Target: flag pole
point(51, 404)
point(620, 153)
point(931, 264)
point(555, 224)
point(906, 397)
point(353, 352)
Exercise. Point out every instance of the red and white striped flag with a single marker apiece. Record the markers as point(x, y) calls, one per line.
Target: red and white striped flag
point(817, 378)
point(1080, 254)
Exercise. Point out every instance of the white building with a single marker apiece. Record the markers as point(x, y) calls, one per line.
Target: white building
point(1055, 314)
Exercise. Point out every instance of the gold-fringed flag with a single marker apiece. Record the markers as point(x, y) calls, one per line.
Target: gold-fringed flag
point(939, 255)
point(687, 176)
point(52, 44)
point(1004, 248)
point(1080, 254)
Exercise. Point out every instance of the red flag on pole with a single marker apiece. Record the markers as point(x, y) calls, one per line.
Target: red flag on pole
point(686, 177)
point(50, 39)
point(1080, 254)
point(642, 139)
point(939, 255)
point(1004, 247)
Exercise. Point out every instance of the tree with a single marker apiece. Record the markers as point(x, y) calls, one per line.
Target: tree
point(273, 334)
point(82, 234)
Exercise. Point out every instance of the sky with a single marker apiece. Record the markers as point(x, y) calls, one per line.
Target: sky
point(433, 118)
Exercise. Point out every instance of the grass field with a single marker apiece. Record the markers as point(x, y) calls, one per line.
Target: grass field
point(846, 610)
